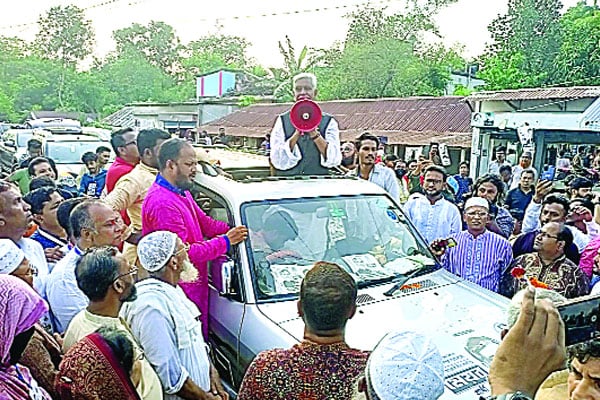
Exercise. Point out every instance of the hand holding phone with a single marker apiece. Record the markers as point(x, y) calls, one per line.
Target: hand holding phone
point(581, 317)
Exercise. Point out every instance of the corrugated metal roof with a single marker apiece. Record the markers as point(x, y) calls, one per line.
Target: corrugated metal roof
point(122, 118)
point(574, 92)
point(411, 121)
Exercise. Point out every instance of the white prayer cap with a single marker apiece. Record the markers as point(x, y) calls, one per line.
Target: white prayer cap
point(156, 249)
point(11, 256)
point(477, 202)
point(405, 365)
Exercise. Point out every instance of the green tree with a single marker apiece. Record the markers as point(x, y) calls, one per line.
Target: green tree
point(157, 42)
point(231, 50)
point(306, 61)
point(383, 56)
point(527, 38)
point(64, 35)
point(369, 24)
point(578, 61)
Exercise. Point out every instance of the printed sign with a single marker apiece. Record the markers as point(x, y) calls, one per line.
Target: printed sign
point(462, 374)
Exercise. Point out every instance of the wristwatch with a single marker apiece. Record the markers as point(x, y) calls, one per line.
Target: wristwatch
point(510, 396)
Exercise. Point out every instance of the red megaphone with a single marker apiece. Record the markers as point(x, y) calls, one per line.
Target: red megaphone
point(305, 115)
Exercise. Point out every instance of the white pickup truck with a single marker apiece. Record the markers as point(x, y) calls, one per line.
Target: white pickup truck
point(357, 225)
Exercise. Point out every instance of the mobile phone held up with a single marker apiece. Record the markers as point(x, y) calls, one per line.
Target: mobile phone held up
point(548, 173)
point(581, 317)
point(443, 244)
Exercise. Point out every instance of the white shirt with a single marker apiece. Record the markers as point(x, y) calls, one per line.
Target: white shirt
point(64, 296)
point(438, 221)
point(494, 166)
point(384, 177)
point(283, 158)
point(167, 326)
point(34, 252)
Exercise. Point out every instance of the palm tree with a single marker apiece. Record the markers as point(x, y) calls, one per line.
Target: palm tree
point(306, 62)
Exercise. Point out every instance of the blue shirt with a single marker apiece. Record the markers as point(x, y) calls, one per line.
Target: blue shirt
point(92, 185)
point(517, 201)
point(47, 240)
point(480, 259)
point(161, 181)
point(463, 187)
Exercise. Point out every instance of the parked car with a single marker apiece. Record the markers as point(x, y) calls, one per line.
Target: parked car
point(66, 150)
point(356, 224)
point(55, 125)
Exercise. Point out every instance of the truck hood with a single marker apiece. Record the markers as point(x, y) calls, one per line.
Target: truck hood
point(462, 319)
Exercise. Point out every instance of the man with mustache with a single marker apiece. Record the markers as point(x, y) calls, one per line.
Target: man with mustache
point(169, 206)
point(305, 153)
point(379, 174)
point(15, 217)
point(167, 324)
point(548, 264)
point(433, 216)
point(108, 280)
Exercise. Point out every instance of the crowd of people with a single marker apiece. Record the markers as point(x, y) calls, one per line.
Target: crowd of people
point(104, 292)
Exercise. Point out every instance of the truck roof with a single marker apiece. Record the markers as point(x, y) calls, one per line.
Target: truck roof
point(277, 188)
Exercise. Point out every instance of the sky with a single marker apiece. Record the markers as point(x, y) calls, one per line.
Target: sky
point(314, 23)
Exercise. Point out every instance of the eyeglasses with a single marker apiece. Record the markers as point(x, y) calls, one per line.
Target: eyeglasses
point(346, 150)
point(543, 234)
point(32, 271)
point(434, 181)
point(132, 271)
point(186, 248)
point(132, 142)
point(473, 214)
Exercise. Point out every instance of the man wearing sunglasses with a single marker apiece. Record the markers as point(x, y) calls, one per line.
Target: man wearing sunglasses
point(124, 144)
point(108, 280)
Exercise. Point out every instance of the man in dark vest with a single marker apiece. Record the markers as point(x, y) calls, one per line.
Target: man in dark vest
point(308, 153)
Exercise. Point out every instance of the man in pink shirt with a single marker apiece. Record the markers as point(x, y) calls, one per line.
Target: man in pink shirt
point(124, 144)
point(169, 206)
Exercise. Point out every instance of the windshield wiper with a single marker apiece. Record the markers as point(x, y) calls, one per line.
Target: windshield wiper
point(399, 283)
point(374, 281)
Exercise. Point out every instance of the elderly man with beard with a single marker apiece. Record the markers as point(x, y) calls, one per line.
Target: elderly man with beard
point(108, 280)
point(169, 206)
point(166, 323)
point(379, 174)
point(93, 224)
point(433, 216)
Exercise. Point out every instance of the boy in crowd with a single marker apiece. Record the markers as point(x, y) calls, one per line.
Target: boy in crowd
point(93, 181)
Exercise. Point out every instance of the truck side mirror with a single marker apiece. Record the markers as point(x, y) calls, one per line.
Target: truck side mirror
point(227, 271)
point(222, 270)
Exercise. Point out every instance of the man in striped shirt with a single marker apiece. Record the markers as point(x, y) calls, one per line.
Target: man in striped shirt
point(480, 255)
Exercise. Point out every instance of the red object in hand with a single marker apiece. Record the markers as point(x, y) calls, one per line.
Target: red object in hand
point(518, 272)
point(538, 284)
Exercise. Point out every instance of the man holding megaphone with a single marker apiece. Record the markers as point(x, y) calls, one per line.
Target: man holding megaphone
point(305, 141)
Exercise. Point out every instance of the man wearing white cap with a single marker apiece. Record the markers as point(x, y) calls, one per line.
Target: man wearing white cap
point(167, 324)
point(14, 262)
point(404, 365)
point(480, 256)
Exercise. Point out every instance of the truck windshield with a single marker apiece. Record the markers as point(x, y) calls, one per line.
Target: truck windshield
point(369, 236)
